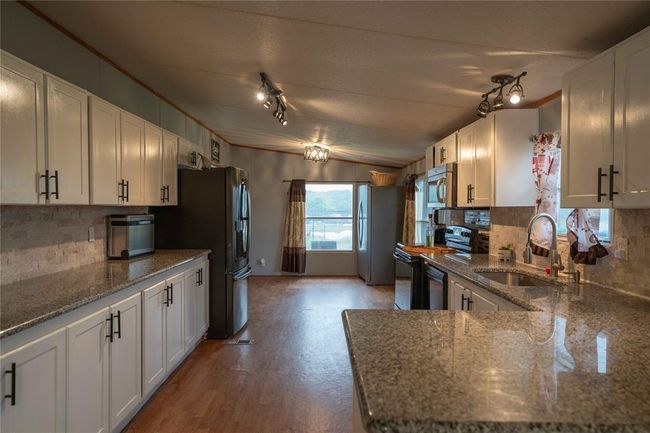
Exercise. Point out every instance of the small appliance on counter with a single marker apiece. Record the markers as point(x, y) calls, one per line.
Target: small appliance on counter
point(130, 236)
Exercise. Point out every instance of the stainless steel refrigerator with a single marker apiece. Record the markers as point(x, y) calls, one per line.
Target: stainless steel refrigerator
point(380, 212)
point(214, 212)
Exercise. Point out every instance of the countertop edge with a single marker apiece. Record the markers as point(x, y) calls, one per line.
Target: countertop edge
point(71, 307)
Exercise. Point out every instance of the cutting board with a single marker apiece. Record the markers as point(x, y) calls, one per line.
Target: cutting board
point(420, 249)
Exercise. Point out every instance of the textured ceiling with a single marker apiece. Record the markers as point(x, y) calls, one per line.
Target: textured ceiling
point(378, 81)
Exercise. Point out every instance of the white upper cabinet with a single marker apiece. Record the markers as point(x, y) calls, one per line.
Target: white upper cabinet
point(104, 152)
point(632, 123)
point(34, 386)
point(495, 157)
point(67, 142)
point(445, 150)
point(170, 168)
point(132, 162)
point(605, 125)
point(22, 132)
point(587, 104)
point(153, 162)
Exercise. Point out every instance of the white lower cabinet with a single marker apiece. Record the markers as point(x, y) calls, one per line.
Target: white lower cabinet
point(33, 386)
point(125, 359)
point(163, 339)
point(88, 364)
point(174, 338)
point(92, 374)
point(203, 299)
point(468, 297)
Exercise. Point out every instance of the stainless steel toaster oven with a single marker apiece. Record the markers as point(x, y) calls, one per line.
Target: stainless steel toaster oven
point(130, 236)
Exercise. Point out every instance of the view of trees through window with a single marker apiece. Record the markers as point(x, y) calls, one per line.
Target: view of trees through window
point(328, 219)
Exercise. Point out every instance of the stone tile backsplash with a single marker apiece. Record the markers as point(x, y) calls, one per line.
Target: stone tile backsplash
point(509, 225)
point(37, 240)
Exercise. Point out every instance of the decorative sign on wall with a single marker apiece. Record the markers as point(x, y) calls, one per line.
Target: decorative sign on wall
point(214, 150)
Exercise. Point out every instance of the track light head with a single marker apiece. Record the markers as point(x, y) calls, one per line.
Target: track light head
point(516, 93)
point(284, 121)
point(498, 100)
point(483, 108)
point(260, 95)
point(268, 102)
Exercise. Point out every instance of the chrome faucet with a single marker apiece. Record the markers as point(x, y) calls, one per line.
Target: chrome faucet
point(554, 257)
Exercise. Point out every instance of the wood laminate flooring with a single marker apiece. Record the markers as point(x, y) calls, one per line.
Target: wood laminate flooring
point(294, 378)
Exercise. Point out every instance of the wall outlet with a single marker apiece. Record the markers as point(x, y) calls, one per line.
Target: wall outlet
point(262, 262)
point(91, 234)
point(621, 249)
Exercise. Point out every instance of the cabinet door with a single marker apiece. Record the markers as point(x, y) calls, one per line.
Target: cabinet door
point(202, 300)
point(38, 370)
point(132, 157)
point(456, 293)
point(190, 289)
point(104, 152)
point(170, 167)
point(632, 124)
point(67, 142)
point(87, 389)
point(480, 303)
point(587, 129)
point(446, 150)
point(22, 129)
point(125, 359)
point(153, 145)
point(153, 336)
point(466, 163)
point(174, 337)
point(483, 146)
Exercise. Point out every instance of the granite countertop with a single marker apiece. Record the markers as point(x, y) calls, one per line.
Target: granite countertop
point(577, 361)
point(29, 302)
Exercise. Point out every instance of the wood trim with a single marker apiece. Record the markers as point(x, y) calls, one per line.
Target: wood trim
point(544, 100)
point(287, 152)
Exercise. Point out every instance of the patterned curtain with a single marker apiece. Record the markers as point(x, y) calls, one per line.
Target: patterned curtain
point(582, 226)
point(408, 228)
point(294, 253)
point(546, 158)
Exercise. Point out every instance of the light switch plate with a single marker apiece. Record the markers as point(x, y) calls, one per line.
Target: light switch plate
point(91, 234)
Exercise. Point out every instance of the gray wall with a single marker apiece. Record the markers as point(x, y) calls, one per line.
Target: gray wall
point(30, 38)
point(269, 200)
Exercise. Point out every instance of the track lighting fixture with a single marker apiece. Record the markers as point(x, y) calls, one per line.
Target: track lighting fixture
point(514, 95)
point(317, 153)
point(268, 93)
point(483, 108)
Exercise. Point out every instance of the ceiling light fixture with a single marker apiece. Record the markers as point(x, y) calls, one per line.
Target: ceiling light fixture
point(269, 94)
point(317, 153)
point(514, 95)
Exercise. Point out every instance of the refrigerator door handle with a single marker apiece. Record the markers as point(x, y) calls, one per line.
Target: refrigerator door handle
point(242, 275)
point(360, 223)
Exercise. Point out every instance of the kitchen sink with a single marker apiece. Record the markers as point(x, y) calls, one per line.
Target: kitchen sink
point(514, 278)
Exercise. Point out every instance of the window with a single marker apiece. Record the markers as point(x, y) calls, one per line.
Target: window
point(604, 230)
point(421, 211)
point(328, 216)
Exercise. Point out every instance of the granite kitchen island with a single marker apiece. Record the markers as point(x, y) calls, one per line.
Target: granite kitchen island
point(577, 361)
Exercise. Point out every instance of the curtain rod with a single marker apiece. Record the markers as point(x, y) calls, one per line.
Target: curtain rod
point(329, 181)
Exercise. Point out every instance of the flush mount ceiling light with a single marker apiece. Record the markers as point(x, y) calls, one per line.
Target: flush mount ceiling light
point(268, 94)
point(317, 153)
point(514, 96)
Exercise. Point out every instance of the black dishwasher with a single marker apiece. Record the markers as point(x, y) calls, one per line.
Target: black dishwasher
point(409, 293)
point(436, 288)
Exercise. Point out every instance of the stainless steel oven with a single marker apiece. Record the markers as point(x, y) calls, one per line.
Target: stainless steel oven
point(408, 280)
point(441, 186)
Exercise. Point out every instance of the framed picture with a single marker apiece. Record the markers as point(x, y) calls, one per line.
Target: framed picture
point(214, 150)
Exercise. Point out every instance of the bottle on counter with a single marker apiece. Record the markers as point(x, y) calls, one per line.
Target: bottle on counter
point(430, 232)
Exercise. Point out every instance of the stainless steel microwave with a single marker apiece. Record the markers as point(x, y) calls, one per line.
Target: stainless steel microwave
point(441, 186)
point(130, 235)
